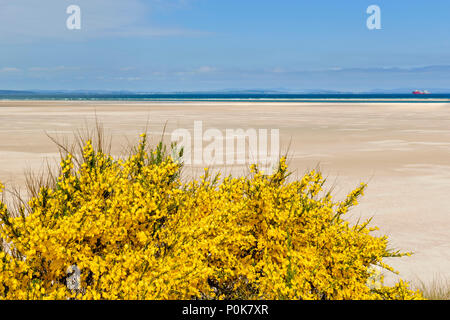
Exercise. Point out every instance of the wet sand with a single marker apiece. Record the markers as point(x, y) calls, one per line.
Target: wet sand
point(401, 150)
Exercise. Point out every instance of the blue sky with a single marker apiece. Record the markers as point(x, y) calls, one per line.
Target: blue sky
point(151, 45)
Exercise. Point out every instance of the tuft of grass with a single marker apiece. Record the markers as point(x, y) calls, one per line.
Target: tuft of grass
point(437, 289)
point(47, 176)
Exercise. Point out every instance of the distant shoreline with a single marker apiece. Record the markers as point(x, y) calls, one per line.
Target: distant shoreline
point(257, 98)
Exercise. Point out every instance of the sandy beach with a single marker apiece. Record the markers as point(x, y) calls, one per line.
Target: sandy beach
point(401, 150)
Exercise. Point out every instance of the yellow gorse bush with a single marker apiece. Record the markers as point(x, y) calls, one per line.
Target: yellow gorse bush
point(135, 231)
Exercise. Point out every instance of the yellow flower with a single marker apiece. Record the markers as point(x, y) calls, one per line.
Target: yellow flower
point(142, 237)
point(132, 229)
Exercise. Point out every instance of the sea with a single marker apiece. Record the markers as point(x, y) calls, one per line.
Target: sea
point(238, 97)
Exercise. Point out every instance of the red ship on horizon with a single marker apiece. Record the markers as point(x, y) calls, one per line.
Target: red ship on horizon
point(420, 92)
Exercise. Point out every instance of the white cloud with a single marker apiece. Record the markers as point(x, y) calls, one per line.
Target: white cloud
point(278, 70)
point(128, 78)
point(205, 69)
point(49, 69)
point(9, 69)
point(38, 69)
point(29, 20)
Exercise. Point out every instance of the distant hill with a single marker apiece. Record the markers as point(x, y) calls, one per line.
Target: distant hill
point(408, 90)
point(15, 92)
point(220, 92)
